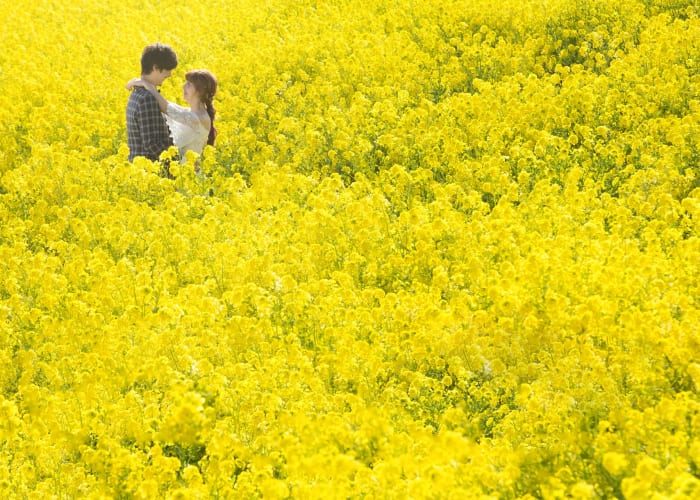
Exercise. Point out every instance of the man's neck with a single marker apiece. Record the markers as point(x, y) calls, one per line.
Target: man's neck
point(148, 79)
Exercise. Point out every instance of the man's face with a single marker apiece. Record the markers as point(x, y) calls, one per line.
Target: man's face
point(158, 75)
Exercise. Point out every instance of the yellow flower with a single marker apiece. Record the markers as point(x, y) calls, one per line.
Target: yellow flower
point(615, 463)
point(583, 490)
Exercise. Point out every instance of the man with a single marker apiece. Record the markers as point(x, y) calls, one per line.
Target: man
point(147, 133)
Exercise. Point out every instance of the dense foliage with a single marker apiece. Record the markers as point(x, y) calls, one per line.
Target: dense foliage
point(442, 250)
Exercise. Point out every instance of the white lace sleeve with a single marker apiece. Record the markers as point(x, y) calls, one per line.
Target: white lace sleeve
point(182, 115)
point(187, 131)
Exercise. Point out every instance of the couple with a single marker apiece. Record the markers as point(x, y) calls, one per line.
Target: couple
point(153, 124)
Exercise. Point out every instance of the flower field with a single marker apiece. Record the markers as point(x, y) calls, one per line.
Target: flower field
point(442, 250)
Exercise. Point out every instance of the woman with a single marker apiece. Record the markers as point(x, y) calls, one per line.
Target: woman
point(192, 128)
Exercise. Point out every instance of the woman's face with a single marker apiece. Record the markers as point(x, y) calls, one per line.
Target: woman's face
point(189, 91)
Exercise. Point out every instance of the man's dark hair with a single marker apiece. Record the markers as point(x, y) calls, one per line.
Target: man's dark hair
point(160, 55)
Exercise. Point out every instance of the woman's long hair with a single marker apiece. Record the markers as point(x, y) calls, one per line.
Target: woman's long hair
point(205, 84)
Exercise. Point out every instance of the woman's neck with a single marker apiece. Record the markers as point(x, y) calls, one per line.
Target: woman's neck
point(196, 105)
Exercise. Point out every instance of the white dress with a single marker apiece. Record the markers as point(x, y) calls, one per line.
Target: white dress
point(186, 129)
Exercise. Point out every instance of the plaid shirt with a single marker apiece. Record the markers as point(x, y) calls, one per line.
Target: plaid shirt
point(147, 133)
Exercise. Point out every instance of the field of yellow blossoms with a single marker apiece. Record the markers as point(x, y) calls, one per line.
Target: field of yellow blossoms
point(441, 250)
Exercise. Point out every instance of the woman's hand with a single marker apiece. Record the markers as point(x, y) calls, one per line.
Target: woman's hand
point(134, 82)
point(138, 82)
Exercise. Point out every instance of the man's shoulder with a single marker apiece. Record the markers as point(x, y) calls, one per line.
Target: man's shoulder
point(140, 95)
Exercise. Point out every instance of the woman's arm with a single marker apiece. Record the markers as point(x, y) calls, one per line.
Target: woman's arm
point(138, 82)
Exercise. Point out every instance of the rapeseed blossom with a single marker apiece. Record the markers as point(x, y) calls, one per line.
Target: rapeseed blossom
point(445, 251)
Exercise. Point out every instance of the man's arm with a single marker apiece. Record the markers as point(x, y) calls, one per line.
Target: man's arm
point(154, 132)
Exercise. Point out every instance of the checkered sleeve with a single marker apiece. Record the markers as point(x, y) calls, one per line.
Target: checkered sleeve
point(154, 131)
